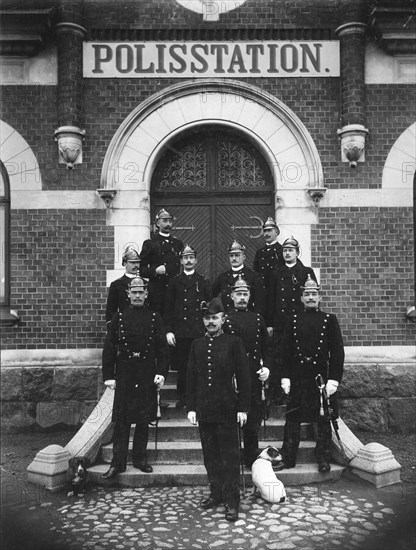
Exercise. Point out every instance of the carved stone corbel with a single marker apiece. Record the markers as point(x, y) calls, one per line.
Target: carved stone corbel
point(353, 138)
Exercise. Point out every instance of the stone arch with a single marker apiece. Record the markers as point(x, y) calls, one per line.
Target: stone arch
point(266, 121)
point(143, 136)
point(400, 165)
point(19, 160)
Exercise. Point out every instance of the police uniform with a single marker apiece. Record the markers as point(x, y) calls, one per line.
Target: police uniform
point(312, 345)
point(225, 281)
point(183, 317)
point(284, 301)
point(251, 328)
point(213, 362)
point(269, 257)
point(118, 299)
point(160, 250)
point(135, 350)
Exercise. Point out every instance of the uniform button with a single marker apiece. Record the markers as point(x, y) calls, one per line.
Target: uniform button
point(185, 299)
point(136, 386)
point(209, 384)
point(184, 319)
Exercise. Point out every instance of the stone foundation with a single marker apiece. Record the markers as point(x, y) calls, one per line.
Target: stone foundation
point(49, 389)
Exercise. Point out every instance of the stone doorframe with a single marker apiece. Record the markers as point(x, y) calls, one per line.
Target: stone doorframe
point(267, 122)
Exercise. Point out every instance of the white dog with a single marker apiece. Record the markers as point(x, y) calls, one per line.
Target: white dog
point(265, 482)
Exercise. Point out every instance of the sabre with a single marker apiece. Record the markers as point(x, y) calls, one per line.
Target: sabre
point(158, 417)
point(321, 385)
point(263, 403)
point(240, 454)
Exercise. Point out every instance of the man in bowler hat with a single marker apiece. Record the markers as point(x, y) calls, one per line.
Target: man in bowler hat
point(182, 318)
point(135, 362)
point(312, 345)
point(215, 360)
point(160, 260)
point(118, 293)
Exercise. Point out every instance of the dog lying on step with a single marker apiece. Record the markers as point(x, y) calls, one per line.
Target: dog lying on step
point(265, 482)
point(79, 481)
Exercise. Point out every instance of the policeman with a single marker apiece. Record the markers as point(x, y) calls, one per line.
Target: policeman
point(160, 260)
point(225, 281)
point(214, 361)
point(251, 328)
point(283, 301)
point(182, 318)
point(118, 298)
point(312, 345)
point(135, 362)
point(270, 256)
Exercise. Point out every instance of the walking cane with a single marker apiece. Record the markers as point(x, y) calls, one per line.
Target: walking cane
point(158, 417)
point(241, 459)
point(264, 407)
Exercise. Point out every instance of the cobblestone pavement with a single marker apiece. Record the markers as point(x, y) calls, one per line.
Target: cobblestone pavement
point(349, 514)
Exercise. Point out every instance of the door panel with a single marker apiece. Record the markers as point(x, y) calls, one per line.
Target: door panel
point(219, 188)
point(242, 223)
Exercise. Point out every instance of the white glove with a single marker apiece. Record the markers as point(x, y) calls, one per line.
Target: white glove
point(192, 417)
point(170, 337)
point(160, 270)
point(263, 374)
point(285, 384)
point(331, 387)
point(159, 380)
point(241, 418)
point(110, 384)
point(270, 331)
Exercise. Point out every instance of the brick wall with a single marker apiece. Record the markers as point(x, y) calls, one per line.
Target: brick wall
point(366, 261)
point(58, 268)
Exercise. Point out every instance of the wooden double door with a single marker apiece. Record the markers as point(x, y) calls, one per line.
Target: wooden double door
point(219, 188)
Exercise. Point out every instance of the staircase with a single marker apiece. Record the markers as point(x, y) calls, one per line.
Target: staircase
point(179, 454)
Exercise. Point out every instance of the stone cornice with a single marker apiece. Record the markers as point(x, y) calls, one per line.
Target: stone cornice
point(24, 31)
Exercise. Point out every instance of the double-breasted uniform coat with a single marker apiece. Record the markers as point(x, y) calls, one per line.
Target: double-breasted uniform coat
point(312, 345)
point(213, 363)
point(118, 298)
point(183, 317)
point(266, 260)
point(222, 288)
point(251, 328)
point(159, 250)
point(135, 350)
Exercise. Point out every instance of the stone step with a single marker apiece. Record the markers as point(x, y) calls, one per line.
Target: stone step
point(181, 429)
point(169, 410)
point(190, 452)
point(168, 475)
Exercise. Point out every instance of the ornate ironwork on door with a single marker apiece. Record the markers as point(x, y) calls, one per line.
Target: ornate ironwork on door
point(237, 167)
point(219, 187)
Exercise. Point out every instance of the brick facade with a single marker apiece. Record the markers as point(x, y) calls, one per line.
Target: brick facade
point(60, 257)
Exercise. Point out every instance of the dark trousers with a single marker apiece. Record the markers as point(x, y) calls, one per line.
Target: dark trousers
point(222, 460)
point(291, 440)
point(251, 434)
point(180, 354)
point(121, 444)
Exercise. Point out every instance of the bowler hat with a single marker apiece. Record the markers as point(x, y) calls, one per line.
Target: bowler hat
point(213, 307)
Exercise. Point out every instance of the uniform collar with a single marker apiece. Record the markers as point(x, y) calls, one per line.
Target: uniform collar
point(219, 333)
point(268, 245)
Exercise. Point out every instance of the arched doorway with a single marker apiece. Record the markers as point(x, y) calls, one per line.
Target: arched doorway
point(219, 187)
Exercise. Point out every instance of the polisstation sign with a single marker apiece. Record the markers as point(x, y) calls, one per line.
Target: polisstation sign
point(220, 59)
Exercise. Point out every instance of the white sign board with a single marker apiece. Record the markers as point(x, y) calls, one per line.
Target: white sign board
point(277, 59)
